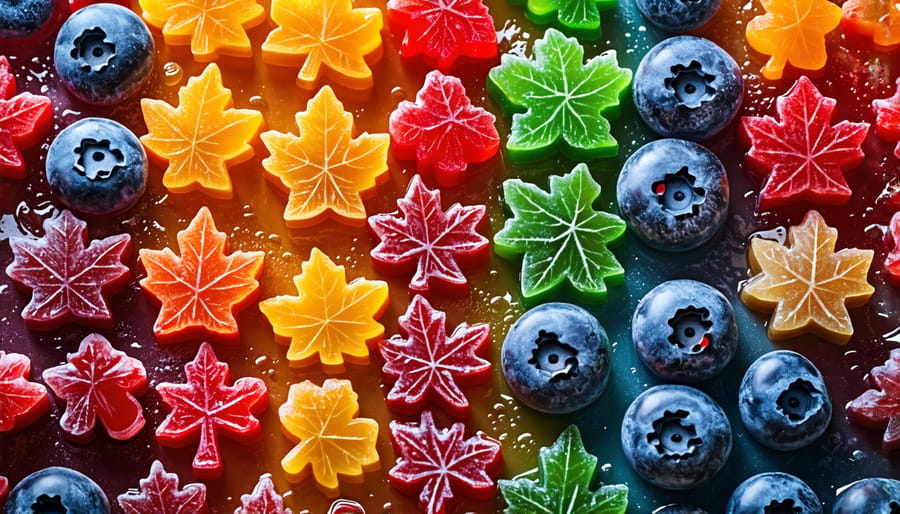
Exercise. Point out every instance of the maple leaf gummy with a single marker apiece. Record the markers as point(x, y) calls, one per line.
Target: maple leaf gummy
point(21, 401)
point(879, 407)
point(159, 494)
point(24, 118)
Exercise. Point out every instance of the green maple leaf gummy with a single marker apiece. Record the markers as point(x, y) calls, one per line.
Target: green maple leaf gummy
point(581, 16)
point(564, 99)
point(561, 236)
point(566, 470)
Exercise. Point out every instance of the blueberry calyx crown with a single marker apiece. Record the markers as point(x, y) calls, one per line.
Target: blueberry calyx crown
point(92, 50)
point(97, 160)
point(799, 401)
point(691, 85)
point(672, 437)
point(48, 505)
point(784, 507)
point(678, 196)
point(690, 329)
point(554, 357)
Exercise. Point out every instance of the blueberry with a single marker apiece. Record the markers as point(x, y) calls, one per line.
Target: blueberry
point(687, 87)
point(23, 18)
point(678, 15)
point(679, 509)
point(57, 490)
point(103, 54)
point(673, 194)
point(684, 331)
point(783, 401)
point(773, 492)
point(675, 436)
point(97, 166)
point(555, 358)
point(869, 496)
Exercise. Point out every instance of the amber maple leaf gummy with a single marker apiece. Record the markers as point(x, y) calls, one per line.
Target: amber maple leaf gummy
point(330, 320)
point(562, 237)
point(99, 382)
point(263, 499)
point(68, 281)
point(564, 99)
point(793, 31)
point(329, 34)
point(326, 171)
point(198, 140)
point(201, 290)
point(892, 261)
point(877, 19)
point(21, 401)
point(442, 131)
point(424, 238)
point(806, 284)
point(332, 440)
point(802, 155)
point(206, 407)
point(439, 465)
point(427, 364)
point(210, 27)
point(159, 494)
point(24, 118)
point(879, 407)
point(444, 31)
point(887, 118)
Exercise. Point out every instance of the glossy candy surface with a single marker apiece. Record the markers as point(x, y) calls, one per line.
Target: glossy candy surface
point(23, 120)
point(879, 407)
point(21, 400)
point(876, 19)
point(892, 261)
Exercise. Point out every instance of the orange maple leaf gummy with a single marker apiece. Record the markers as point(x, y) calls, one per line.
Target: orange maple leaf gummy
point(793, 31)
point(201, 137)
point(201, 290)
point(329, 34)
point(878, 19)
point(211, 27)
point(806, 284)
point(332, 441)
point(330, 318)
point(326, 170)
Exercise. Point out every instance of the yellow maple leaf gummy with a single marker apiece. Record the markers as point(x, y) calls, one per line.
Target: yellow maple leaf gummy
point(806, 284)
point(201, 137)
point(332, 441)
point(793, 31)
point(326, 170)
point(329, 34)
point(211, 27)
point(330, 318)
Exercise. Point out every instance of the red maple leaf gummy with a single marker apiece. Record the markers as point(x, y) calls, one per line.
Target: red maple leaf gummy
point(4, 489)
point(429, 365)
point(425, 238)
point(159, 494)
point(879, 408)
point(24, 119)
point(803, 155)
point(68, 280)
point(442, 130)
point(442, 31)
point(21, 401)
point(437, 464)
point(263, 499)
point(887, 118)
point(99, 382)
point(892, 261)
point(205, 407)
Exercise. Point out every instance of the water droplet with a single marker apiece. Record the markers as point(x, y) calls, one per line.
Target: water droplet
point(172, 73)
point(259, 103)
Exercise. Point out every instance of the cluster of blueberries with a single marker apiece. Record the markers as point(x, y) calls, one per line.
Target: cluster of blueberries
point(103, 55)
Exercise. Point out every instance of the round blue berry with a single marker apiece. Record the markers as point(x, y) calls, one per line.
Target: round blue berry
point(773, 492)
point(97, 166)
point(678, 15)
point(103, 53)
point(869, 496)
point(675, 436)
point(555, 358)
point(687, 87)
point(684, 331)
point(673, 194)
point(783, 401)
point(23, 18)
point(57, 490)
